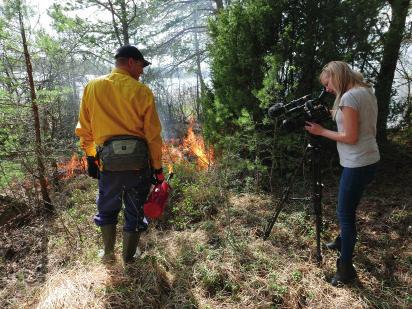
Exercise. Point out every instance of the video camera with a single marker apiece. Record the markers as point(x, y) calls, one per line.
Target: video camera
point(297, 112)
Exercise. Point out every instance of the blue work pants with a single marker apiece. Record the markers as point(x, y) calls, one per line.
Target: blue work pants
point(352, 184)
point(129, 187)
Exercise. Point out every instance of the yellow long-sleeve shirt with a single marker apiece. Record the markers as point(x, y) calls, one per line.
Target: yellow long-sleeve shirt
point(117, 104)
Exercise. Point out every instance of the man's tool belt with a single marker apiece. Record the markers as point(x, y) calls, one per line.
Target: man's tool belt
point(123, 153)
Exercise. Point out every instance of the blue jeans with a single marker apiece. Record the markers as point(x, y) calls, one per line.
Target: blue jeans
point(352, 184)
point(130, 187)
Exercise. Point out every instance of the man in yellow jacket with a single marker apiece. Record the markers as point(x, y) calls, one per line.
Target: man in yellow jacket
point(119, 130)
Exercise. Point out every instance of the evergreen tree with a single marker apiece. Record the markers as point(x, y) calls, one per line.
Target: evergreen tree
point(274, 51)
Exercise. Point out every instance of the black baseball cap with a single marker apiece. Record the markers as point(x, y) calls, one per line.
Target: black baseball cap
point(130, 51)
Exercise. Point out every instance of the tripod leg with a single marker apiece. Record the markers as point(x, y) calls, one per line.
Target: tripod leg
point(318, 234)
point(285, 197)
point(317, 198)
point(273, 219)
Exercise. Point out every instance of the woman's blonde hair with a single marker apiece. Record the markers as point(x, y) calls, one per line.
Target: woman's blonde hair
point(343, 78)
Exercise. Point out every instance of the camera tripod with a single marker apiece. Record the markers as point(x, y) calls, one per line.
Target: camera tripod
point(314, 149)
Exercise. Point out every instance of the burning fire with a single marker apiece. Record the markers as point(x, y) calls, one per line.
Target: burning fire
point(74, 166)
point(193, 147)
point(196, 145)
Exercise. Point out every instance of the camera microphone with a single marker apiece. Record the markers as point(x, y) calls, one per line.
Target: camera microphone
point(276, 110)
point(279, 108)
point(295, 113)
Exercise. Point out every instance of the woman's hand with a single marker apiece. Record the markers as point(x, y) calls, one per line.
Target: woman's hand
point(314, 128)
point(349, 135)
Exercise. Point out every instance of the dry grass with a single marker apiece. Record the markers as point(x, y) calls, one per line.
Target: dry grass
point(218, 262)
point(78, 287)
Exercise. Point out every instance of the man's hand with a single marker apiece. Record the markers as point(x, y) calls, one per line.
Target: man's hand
point(92, 168)
point(158, 176)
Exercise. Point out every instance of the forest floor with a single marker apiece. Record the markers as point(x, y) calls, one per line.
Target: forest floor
point(217, 262)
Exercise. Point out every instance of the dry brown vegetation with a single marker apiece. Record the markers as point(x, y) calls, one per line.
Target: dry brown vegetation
point(218, 261)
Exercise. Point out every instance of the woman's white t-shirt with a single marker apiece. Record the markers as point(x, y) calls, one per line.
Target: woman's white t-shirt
point(365, 151)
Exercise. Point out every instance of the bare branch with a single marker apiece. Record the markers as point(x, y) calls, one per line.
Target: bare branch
point(116, 28)
point(180, 33)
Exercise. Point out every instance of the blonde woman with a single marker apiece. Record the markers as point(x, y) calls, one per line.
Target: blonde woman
point(355, 111)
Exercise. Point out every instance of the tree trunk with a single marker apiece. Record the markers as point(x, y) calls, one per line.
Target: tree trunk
point(407, 116)
point(199, 76)
point(38, 144)
point(125, 23)
point(306, 83)
point(391, 46)
point(219, 4)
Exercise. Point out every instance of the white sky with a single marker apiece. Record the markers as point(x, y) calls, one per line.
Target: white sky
point(41, 18)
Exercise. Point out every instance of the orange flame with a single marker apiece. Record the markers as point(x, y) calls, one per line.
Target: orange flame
point(193, 147)
point(196, 146)
point(172, 152)
point(70, 168)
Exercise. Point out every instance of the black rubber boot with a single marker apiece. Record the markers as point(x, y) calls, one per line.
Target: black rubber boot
point(336, 244)
point(345, 273)
point(130, 242)
point(109, 240)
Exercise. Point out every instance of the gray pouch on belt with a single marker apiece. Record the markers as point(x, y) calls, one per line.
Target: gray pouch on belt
point(124, 153)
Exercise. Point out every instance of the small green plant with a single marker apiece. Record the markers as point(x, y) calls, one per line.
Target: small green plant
point(297, 275)
point(200, 248)
point(276, 289)
point(310, 295)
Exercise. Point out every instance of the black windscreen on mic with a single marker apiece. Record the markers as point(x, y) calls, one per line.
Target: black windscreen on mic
point(276, 110)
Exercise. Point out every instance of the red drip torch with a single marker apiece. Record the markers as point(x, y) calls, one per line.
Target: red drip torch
point(157, 200)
